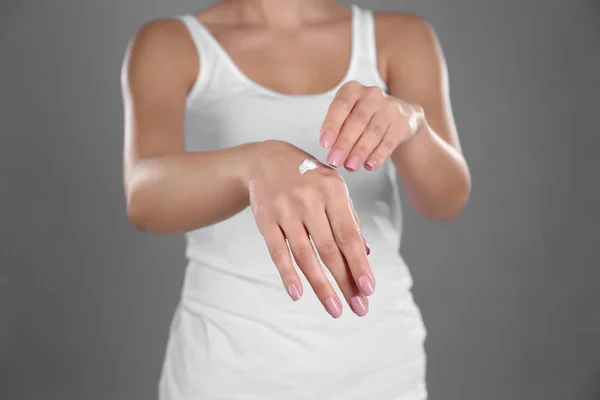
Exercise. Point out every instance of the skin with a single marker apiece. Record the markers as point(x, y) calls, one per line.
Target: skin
point(368, 127)
point(164, 184)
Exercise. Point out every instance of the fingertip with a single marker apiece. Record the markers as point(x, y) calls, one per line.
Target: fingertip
point(335, 157)
point(333, 307)
point(366, 285)
point(327, 138)
point(294, 291)
point(360, 305)
point(353, 163)
point(371, 164)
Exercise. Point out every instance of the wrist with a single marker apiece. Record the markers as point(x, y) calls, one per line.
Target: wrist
point(256, 157)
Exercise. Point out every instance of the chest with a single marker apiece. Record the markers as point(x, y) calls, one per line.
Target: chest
point(308, 61)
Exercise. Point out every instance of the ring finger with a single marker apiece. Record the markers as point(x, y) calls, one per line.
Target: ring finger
point(320, 230)
point(351, 130)
point(307, 261)
point(370, 138)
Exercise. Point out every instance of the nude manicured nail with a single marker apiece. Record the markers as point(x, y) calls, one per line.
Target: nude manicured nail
point(372, 164)
point(366, 285)
point(294, 292)
point(335, 157)
point(333, 307)
point(359, 306)
point(328, 138)
point(353, 163)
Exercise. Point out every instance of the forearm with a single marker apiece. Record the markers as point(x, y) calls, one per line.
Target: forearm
point(434, 175)
point(181, 192)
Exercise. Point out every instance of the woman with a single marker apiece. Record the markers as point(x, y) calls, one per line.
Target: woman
point(261, 124)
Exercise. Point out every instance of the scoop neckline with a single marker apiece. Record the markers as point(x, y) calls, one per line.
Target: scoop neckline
point(265, 90)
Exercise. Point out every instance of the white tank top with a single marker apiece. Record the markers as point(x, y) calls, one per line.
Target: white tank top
point(236, 334)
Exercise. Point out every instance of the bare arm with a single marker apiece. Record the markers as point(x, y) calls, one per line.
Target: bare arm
point(431, 165)
point(414, 126)
point(167, 189)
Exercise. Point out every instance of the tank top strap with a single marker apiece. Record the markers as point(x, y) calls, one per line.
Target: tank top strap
point(205, 48)
point(366, 45)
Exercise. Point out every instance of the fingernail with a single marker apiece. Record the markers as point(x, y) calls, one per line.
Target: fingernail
point(359, 306)
point(371, 163)
point(366, 246)
point(335, 157)
point(333, 307)
point(353, 163)
point(327, 138)
point(294, 292)
point(366, 285)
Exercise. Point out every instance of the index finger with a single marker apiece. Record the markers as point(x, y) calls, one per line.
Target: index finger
point(338, 111)
point(349, 239)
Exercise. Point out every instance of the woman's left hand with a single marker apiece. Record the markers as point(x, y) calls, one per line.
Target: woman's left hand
point(363, 126)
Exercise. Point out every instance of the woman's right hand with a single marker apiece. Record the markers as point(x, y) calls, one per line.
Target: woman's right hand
point(298, 207)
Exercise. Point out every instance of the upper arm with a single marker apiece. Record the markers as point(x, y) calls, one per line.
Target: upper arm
point(159, 68)
point(417, 72)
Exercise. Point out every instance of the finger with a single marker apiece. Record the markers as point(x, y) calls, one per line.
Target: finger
point(391, 140)
point(397, 130)
point(280, 254)
point(357, 220)
point(319, 229)
point(349, 240)
point(354, 126)
point(339, 109)
point(369, 140)
point(308, 262)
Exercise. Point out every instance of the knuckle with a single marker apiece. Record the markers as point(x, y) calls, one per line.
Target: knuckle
point(280, 205)
point(301, 254)
point(261, 213)
point(361, 114)
point(277, 253)
point(347, 234)
point(377, 128)
point(328, 249)
point(304, 196)
point(351, 90)
point(344, 102)
point(388, 146)
point(334, 185)
point(374, 92)
point(299, 192)
point(353, 84)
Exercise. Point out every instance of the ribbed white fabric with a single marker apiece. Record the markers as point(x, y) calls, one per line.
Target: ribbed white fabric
point(236, 334)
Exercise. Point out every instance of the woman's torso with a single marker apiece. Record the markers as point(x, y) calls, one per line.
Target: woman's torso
point(236, 331)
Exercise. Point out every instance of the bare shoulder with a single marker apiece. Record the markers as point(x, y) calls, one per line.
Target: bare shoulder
point(161, 46)
point(407, 46)
point(404, 32)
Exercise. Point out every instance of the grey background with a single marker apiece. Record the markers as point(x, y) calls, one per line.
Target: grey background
point(509, 293)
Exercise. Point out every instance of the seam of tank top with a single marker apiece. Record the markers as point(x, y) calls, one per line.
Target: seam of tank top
point(371, 47)
point(205, 62)
point(250, 83)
